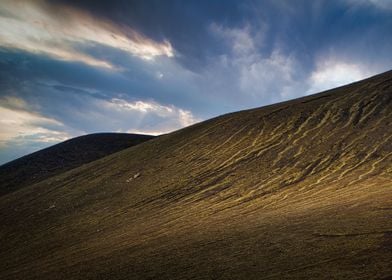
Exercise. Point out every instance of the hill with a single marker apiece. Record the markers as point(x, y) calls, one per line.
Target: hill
point(296, 190)
point(62, 157)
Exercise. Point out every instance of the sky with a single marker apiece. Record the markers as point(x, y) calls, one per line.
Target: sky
point(69, 68)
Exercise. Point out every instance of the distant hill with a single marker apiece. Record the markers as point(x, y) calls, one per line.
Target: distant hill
point(62, 157)
point(296, 190)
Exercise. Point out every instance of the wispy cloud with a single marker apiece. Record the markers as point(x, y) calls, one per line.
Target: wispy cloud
point(331, 72)
point(259, 76)
point(147, 116)
point(24, 129)
point(17, 123)
point(59, 32)
point(381, 4)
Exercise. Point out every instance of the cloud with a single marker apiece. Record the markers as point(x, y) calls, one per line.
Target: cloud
point(146, 116)
point(332, 72)
point(17, 124)
point(140, 106)
point(241, 41)
point(255, 76)
point(252, 74)
point(271, 77)
point(63, 32)
point(384, 4)
point(24, 130)
point(380, 4)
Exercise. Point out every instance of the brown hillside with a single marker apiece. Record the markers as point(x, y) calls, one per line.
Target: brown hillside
point(62, 157)
point(296, 190)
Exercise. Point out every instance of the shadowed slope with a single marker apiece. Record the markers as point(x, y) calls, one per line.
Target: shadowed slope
point(62, 157)
point(298, 190)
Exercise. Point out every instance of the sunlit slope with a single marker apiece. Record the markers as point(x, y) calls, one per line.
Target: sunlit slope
point(62, 157)
point(297, 190)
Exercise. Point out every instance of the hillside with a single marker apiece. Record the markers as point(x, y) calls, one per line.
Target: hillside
point(296, 190)
point(62, 157)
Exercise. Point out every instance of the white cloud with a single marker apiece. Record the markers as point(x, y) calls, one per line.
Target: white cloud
point(258, 77)
point(145, 132)
point(160, 75)
point(186, 118)
point(384, 4)
point(33, 26)
point(17, 123)
point(141, 106)
point(380, 4)
point(24, 130)
point(147, 117)
point(240, 39)
point(332, 72)
point(264, 78)
point(272, 75)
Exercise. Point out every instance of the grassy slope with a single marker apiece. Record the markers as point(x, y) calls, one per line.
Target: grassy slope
point(62, 157)
point(301, 189)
